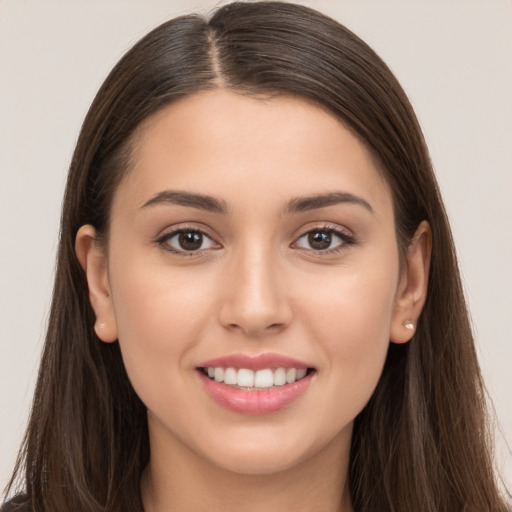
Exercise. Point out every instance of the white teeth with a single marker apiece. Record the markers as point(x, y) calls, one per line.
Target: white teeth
point(264, 379)
point(219, 374)
point(245, 378)
point(230, 376)
point(260, 379)
point(291, 375)
point(280, 377)
point(301, 373)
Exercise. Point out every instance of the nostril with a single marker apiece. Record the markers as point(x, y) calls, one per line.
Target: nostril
point(255, 330)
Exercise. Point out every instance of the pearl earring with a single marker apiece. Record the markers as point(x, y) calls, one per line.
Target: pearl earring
point(408, 324)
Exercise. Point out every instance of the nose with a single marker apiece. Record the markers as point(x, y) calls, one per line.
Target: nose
point(255, 295)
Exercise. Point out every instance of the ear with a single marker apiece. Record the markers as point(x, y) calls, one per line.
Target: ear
point(412, 287)
point(92, 258)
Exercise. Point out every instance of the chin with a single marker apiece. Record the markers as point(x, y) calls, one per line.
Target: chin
point(263, 463)
point(265, 453)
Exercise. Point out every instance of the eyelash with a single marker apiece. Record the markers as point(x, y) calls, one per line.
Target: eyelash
point(346, 240)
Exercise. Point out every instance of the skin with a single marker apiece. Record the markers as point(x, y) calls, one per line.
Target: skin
point(256, 286)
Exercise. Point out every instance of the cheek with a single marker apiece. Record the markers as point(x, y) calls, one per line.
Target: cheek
point(350, 319)
point(359, 302)
point(160, 314)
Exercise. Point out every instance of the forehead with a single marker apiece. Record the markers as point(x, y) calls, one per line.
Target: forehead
point(221, 143)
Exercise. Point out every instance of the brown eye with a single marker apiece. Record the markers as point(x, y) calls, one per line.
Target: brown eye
point(190, 240)
point(187, 240)
point(319, 240)
point(324, 240)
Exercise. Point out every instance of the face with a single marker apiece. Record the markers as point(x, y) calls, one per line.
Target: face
point(255, 235)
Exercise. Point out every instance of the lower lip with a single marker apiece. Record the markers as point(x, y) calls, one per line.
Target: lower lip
point(256, 402)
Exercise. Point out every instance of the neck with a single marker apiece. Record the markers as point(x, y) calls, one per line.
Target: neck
point(177, 479)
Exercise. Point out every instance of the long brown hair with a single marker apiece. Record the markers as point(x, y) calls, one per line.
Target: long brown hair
point(421, 443)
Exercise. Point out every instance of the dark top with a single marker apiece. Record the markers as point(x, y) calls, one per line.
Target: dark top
point(17, 504)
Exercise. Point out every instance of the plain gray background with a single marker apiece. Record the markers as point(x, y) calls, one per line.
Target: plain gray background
point(453, 57)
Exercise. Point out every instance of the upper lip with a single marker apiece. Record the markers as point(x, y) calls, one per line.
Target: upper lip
point(251, 362)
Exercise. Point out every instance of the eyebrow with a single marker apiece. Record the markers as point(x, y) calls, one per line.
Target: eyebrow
point(303, 204)
point(295, 205)
point(199, 201)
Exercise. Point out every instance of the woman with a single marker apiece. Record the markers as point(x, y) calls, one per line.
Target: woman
point(250, 219)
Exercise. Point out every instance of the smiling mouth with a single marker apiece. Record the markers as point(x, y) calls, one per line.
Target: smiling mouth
point(255, 380)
